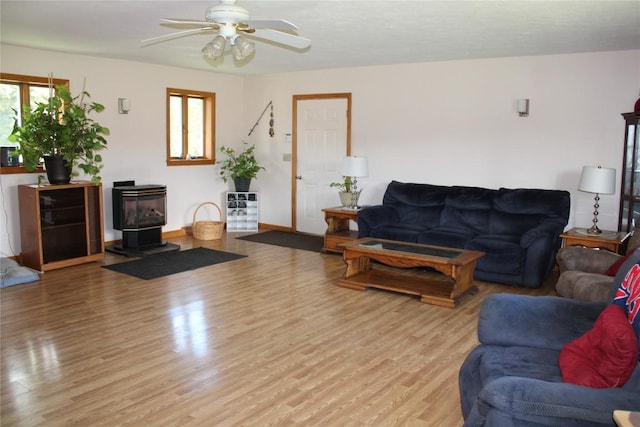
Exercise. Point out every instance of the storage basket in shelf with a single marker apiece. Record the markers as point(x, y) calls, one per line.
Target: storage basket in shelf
point(207, 230)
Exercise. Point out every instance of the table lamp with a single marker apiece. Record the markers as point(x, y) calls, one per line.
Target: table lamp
point(598, 180)
point(355, 167)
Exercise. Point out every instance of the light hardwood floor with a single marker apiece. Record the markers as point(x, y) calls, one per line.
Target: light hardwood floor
point(264, 340)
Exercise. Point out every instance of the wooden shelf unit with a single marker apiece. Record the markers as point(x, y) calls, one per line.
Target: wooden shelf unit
point(61, 225)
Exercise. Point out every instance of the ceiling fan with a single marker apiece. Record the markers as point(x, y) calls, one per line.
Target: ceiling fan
point(232, 24)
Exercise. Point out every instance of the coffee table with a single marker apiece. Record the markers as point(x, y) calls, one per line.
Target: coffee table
point(457, 264)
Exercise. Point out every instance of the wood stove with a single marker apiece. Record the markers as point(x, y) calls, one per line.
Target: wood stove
point(139, 211)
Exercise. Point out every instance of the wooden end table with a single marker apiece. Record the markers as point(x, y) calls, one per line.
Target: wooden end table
point(338, 232)
point(610, 240)
point(457, 264)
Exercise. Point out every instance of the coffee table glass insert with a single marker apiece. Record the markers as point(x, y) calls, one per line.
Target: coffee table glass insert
point(411, 249)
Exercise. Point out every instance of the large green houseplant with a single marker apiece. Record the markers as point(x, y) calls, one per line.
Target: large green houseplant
point(61, 131)
point(240, 167)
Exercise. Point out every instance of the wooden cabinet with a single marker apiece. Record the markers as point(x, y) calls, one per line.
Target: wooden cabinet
point(630, 189)
point(242, 211)
point(338, 231)
point(61, 225)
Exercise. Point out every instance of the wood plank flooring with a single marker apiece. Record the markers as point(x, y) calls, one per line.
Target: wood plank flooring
point(265, 340)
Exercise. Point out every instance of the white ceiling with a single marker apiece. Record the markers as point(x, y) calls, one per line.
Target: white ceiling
point(342, 33)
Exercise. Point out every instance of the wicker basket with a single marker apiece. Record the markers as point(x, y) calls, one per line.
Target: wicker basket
point(207, 230)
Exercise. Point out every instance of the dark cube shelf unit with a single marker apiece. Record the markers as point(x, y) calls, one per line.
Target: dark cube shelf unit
point(61, 225)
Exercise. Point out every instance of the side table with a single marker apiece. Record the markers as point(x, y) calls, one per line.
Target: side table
point(610, 240)
point(338, 231)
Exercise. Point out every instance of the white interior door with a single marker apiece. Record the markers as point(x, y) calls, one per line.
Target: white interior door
point(321, 143)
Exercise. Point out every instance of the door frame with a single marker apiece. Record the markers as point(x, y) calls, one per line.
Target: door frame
point(294, 141)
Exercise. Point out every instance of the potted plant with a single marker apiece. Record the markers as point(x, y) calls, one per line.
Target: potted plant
point(345, 193)
point(240, 167)
point(60, 132)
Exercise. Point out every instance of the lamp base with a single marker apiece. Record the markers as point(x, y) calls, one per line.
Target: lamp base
point(594, 230)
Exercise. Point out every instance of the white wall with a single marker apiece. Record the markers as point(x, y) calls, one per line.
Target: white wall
point(443, 123)
point(455, 122)
point(137, 144)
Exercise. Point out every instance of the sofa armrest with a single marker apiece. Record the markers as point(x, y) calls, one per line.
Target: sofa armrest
point(536, 400)
point(375, 215)
point(589, 260)
point(547, 322)
point(547, 230)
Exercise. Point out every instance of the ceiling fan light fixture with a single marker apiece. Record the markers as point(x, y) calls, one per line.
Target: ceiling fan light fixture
point(242, 48)
point(215, 48)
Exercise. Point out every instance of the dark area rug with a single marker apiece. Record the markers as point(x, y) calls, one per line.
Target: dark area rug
point(287, 240)
point(164, 264)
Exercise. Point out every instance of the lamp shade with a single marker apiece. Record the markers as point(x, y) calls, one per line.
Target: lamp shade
point(596, 179)
point(355, 166)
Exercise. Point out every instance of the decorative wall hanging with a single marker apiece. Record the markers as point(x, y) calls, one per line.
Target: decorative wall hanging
point(271, 131)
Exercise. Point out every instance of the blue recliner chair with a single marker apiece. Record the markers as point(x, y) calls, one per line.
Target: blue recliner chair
point(513, 378)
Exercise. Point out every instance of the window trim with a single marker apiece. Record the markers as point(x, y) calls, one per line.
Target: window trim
point(209, 99)
point(25, 82)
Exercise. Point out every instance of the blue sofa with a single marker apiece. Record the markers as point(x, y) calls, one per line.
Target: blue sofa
point(517, 229)
point(512, 377)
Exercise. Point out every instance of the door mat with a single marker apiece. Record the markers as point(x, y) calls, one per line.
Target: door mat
point(304, 242)
point(164, 264)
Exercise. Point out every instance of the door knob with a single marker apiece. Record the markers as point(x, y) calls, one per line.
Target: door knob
point(298, 177)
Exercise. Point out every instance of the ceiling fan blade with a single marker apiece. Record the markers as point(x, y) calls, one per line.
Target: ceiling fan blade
point(273, 24)
point(297, 42)
point(177, 35)
point(187, 22)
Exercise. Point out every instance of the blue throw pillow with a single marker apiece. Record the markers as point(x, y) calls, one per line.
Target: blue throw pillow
point(628, 297)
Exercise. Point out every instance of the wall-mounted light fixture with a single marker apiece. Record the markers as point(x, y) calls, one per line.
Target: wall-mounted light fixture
point(124, 105)
point(523, 107)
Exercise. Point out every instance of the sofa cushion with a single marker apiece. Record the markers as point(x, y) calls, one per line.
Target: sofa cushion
point(605, 356)
point(416, 204)
point(507, 223)
point(525, 362)
point(535, 202)
point(467, 209)
point(445, 237)
point(583, 286)
point(518, 210)
point(504, 251)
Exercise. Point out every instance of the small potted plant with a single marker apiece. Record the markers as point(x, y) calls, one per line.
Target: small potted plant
point(344, 187)
point(60, 132)
point(240, 167)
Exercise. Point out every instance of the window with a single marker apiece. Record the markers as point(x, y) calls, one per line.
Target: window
point(190, 127)
point(15, 92)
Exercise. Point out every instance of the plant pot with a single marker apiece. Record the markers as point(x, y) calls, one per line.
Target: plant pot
point(242, 184)
point(349, 199)
point(58, 170)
